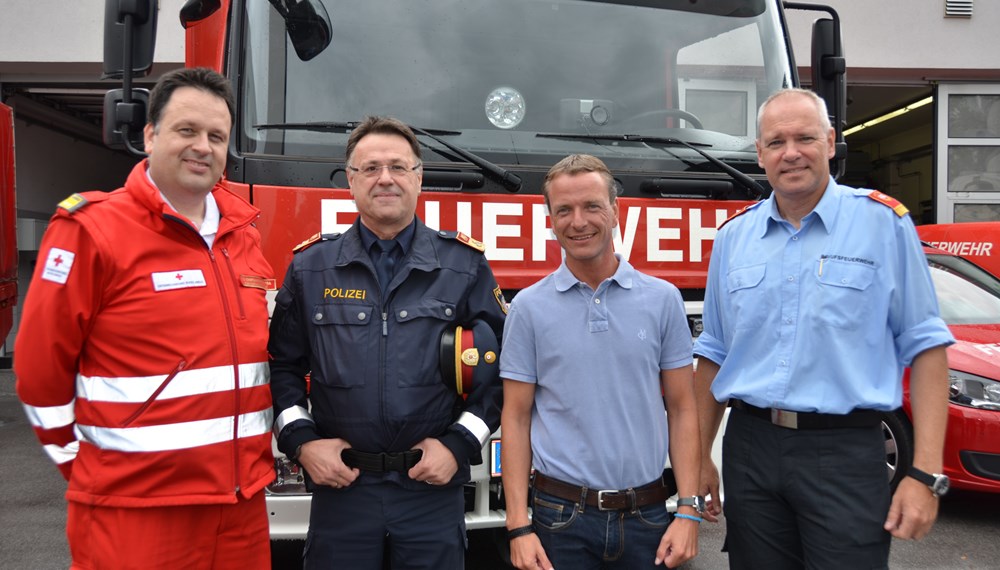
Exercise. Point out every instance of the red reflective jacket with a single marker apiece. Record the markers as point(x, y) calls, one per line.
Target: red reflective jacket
point(141, 358)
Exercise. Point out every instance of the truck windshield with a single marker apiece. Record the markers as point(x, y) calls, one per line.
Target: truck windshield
point(495, 74)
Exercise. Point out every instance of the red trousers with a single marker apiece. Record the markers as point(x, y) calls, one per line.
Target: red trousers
point(190, 537)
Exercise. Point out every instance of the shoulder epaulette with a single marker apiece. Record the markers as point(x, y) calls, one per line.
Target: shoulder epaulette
point(740, 212)
point(77, 201)
point(887, 200)
point(313, 239)
point(462, 238)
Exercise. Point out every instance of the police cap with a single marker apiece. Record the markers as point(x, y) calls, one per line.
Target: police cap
point(469, 356)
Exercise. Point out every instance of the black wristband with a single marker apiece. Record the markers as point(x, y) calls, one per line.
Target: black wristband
point(520, 531)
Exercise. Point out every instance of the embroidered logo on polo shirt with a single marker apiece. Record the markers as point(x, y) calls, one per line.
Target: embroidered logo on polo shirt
point(57, 265)
point(180, 279)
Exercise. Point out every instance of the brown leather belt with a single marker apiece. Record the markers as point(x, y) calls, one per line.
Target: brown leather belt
point(809, 420)
point(607, 499)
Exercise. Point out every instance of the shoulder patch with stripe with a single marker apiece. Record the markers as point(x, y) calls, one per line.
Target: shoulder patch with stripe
point(462, 238)
point(887, 200)
point(740, 212)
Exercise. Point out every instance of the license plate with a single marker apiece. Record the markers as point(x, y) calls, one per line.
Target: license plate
point(495, 457)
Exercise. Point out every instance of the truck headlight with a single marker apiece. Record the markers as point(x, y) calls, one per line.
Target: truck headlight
point(973, 391)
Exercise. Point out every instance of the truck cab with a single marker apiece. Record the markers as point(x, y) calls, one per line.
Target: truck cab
point(665, 93)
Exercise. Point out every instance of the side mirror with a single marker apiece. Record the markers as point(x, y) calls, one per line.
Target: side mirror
point(195, 11)
point(829, 79)
point(125, 120)
point(308, 26)
point(129, 37)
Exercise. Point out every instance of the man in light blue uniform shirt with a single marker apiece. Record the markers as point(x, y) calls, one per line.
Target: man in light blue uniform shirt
point(590, 354)
point(817, 299)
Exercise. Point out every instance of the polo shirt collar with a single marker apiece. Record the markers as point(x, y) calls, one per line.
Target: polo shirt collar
point(624, 275)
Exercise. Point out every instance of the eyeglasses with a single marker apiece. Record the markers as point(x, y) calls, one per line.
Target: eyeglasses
point(375, 170)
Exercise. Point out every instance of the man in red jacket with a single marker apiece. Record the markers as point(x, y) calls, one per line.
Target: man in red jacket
point(141, 358)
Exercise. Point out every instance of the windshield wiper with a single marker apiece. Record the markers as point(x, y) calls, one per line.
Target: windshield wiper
point(332, 127)
point(742, 179)
point(510, 181)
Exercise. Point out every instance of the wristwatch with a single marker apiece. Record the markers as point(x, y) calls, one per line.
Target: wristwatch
point(937, 482)
point(697, 502)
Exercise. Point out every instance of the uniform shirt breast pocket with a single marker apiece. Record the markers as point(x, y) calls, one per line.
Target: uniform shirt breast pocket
point(845, 300)
point(747, 295)
point(343, 340)
point(416, 338)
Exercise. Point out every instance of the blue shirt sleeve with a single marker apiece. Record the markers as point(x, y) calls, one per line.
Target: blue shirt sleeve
point(913, 310)
point(517, 354)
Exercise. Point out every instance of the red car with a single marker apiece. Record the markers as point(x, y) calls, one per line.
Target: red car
point(969, 298)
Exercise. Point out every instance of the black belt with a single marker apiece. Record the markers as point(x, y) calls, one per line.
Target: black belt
point(381, 462)
point(810, 420)
point(609, 499)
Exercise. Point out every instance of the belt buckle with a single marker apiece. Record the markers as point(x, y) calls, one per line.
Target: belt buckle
point(392, 461)
point(785, 418)
point(600, 499)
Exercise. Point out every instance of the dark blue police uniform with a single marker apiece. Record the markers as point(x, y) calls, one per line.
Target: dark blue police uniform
point(373, 358)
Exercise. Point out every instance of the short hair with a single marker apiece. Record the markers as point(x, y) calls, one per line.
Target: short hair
point(579, 164)
point(375, 125)
point(203, 78)
point(821, 108)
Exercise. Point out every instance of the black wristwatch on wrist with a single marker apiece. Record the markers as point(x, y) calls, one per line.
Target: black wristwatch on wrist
point(697, 502)
point(937, 482)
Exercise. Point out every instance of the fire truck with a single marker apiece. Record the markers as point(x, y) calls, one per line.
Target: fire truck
point(665, 92)
point(8, 233)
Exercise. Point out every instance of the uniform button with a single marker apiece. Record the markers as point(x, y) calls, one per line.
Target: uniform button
point(448, 312)
point(598, 301)
point(791, 278)
point(795, 238)
point(362, 316)
point(788, 321)
point(402, 314)
point(844, 281)
point(783, 363)
point(319, 316)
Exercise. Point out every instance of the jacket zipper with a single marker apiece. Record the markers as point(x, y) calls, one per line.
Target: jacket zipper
point(232, 345)
point(152, 398)
point(236, 284)
point(383, 349)
point(236, 373)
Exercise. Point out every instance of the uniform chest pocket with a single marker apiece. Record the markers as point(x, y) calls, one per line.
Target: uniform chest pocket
point(747, 296)
point(844, 299)
point(415, 338)
point(343, 337)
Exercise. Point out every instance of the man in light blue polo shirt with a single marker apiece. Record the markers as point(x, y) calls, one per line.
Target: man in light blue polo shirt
point(817, 298)
point(590, 354)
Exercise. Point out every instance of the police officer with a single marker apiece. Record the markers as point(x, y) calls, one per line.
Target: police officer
point(386, 443)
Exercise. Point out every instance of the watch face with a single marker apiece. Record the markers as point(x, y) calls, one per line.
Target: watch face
point(697, 502)
point(941, 485)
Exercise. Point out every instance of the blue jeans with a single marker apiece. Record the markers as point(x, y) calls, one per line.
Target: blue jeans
point(583, 537)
